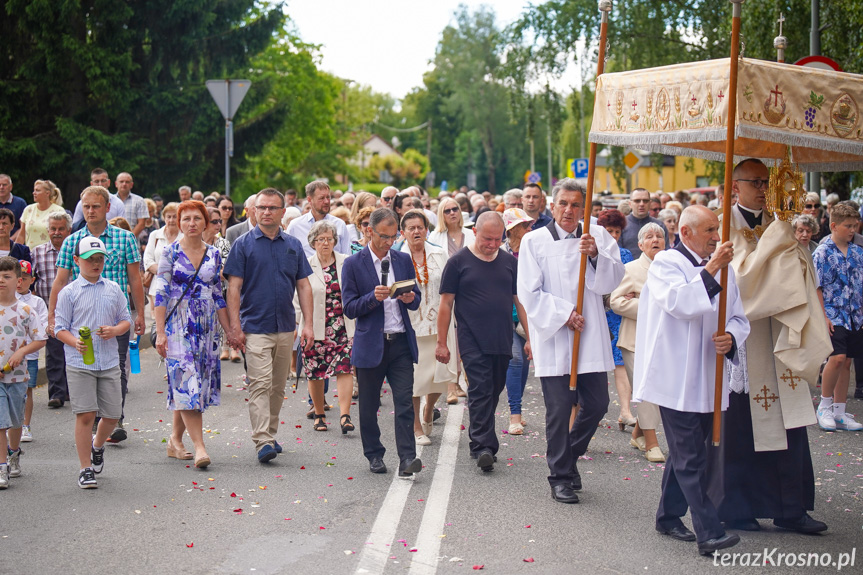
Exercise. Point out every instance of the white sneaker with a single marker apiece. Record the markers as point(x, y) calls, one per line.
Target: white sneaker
point(26, 434)
point(15, 464)
point(847, 423)
point(825, 419)
point(423, 440)
point(4, 476)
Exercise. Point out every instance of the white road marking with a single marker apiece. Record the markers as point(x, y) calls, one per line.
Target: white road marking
point(428, 539)
point(373, 558)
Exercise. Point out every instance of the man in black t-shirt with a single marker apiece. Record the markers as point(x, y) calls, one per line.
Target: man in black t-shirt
point(481, 281)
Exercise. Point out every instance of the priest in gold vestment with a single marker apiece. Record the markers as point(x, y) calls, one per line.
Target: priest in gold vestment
point(763, 467)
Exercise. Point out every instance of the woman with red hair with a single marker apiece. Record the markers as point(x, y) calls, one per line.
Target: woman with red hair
point(188, 301)
point(614, 221)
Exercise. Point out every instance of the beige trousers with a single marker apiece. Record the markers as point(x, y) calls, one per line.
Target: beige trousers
point(648, 413)
point(268, 361)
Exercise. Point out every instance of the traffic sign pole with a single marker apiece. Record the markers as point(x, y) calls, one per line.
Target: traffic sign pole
point(228, 95)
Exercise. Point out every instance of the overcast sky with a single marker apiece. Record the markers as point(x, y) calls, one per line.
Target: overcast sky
point(386, 44)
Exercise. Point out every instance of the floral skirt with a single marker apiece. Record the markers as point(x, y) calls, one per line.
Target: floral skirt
point(332, 355)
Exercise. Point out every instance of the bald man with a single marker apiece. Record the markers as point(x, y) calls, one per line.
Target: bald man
point(136, 209)
point(481, 281)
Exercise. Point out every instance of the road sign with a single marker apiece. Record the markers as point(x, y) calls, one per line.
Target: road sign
point(534, 178)
point(632, 161)
point(819, 62)
point(578, 168)
point(430, 180)
point(228, 95)
point(471, 180)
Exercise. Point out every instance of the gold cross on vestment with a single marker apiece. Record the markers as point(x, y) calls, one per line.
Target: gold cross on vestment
point(767, 399)
point(791, 379)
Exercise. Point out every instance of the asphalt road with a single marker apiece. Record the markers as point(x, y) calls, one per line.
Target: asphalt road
point(317, 509)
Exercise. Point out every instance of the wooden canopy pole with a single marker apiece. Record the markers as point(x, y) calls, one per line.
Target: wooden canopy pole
point(726, 208)
point(604, 7)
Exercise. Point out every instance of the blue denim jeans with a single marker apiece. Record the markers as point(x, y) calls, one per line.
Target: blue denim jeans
point(516, 374)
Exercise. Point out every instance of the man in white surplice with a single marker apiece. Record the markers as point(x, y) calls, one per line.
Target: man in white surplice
point(675, 365)
point(548, 271)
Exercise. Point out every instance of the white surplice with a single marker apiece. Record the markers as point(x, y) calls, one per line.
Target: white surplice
point(548, 289)
point(675, 358)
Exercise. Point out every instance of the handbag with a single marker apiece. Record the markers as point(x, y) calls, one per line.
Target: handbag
point(153, 333)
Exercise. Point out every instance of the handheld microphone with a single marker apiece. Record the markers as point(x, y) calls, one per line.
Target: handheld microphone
point(385, 272)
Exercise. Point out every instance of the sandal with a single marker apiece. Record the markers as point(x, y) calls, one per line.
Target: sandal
point(346, 424)
point(320, 424)
point(202, 462)
point(178, 453)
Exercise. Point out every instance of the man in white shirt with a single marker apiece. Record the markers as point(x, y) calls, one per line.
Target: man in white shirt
point(318, 194)
point(136, 212)
point(675, 365)
point(548, 270)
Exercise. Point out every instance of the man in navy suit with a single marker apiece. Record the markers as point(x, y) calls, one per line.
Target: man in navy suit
point(384, 341)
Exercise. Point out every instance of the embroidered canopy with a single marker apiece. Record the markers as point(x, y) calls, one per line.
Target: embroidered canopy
point(681, 110)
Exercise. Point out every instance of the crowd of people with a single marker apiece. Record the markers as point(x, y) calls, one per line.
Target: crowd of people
point(413, 291)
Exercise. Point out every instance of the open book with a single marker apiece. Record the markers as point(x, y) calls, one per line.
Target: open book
point(400, 287)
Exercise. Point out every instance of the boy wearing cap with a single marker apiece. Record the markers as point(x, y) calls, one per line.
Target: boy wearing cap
point(99, 304)
point(38, 306)
point(21, 332)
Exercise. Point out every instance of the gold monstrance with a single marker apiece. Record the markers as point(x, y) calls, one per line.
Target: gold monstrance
point(786, 196)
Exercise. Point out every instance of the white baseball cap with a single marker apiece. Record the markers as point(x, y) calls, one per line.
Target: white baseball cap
point(89, 246)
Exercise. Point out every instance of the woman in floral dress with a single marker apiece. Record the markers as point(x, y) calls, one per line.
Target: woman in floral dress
point(330, 355)
point(189, 339)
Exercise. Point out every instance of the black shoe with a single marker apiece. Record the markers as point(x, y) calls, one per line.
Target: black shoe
point(803, 524)
point(563, 493)
point(743, 525)
point(858, 393)
point(97, 459)
point(87, 479)
point(485, 460)
point(712, 545)
point(681, 533)
point(376, 465)
point(436, 415)
point(55, 402)
point(410, 466)
point(576, 478)
point(119, 434)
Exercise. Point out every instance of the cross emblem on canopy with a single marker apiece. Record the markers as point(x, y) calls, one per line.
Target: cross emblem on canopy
point(776, 93)
point(766, 399)
point(791, 379)
point(634, 105)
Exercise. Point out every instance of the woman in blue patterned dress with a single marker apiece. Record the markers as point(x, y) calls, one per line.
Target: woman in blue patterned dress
point(189, 340)
point(613, 221)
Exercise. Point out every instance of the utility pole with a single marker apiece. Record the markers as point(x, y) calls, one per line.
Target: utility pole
point(428, 142)
point(548, 130)
point(815, 50)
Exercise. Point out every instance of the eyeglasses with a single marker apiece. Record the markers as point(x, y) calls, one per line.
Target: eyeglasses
point(811, 206)
point(387, 199)
point(226, 208)
point(364, 224)
point(385, 237)
point(758, 182)
point(325, 240)
point(451, 210)
point(216, 222)
point(638, 201)
point(269, 208)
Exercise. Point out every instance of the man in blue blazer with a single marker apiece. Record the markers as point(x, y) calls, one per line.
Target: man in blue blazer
point(384, 341)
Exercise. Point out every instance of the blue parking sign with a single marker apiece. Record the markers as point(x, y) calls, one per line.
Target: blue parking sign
point(580, 167)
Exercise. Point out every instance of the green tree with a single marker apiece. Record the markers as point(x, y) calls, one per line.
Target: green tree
point(120, 84)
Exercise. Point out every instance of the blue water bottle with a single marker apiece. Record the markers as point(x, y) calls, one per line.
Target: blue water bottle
point(134, 355)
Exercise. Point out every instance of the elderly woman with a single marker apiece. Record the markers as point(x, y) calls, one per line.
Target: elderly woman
point(330, 355)
point(189, 310)
point(451, 235)
point(431, 378)
point(805, 229)
point(517, 224)
point(34, 219)
point(614, 221)
point(291, 213)
point(669, 219)
point(676, 206)
point(624, 300)
point(156, 242)
point(812, 207)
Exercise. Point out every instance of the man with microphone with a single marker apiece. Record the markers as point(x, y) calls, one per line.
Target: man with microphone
point(384, 342)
